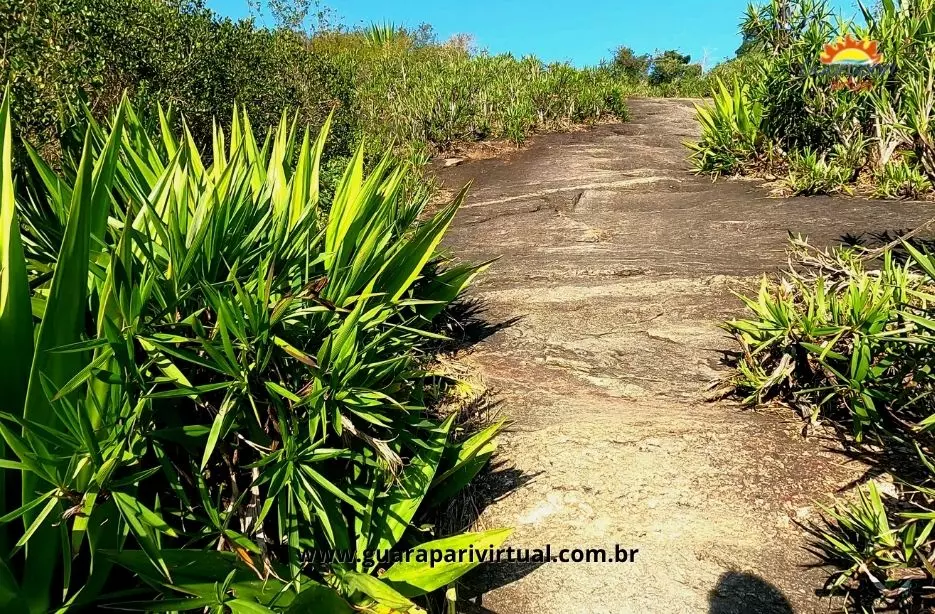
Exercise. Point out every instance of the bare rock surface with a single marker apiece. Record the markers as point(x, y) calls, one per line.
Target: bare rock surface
point(616, 268)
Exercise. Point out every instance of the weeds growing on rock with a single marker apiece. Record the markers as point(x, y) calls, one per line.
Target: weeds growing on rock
point(901, 179)
point(847, 335)
point(811, 174)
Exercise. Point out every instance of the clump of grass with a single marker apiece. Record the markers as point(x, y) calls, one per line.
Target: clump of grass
point(901, 179)
point(811, 173)
point(882, 546)
point(833, 337)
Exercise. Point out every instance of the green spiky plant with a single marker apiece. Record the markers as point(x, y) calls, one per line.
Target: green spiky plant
point(835, 339)
point(438, 96)
point(731, 135)
point(901, 179)
point(843, 339)
point(209, 380)
point(819, 124)
point(380, 34)
point(810, 173)
point(883, 545)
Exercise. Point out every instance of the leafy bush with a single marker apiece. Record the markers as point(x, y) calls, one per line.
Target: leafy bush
point(901, 179)
point(743, 68)
point(209, 379)
point(836, 338)
point(666, 73)
point(172, 51)
point(386, 84)
point(808, 111)
point(626, 63)
point(731, 137)
point(671, 66)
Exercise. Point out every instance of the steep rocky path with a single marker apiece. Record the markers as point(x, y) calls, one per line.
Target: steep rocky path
point(616, 268)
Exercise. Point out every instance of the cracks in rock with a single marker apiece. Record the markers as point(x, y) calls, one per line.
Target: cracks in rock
point(621, 183)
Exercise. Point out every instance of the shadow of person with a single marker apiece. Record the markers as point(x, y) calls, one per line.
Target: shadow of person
point(745, 593)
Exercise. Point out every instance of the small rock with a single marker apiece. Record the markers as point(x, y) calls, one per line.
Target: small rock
point(885, 485)
point(453, 161)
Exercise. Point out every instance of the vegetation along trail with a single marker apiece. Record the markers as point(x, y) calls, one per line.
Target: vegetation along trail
point(616, 268)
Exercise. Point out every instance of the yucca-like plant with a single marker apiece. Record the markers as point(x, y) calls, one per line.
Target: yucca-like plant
point(883, 546)
point(731, 138)
point(837, 338)
point(380, 34)
point(209, 380)
point(811, 173)
point(842, 341)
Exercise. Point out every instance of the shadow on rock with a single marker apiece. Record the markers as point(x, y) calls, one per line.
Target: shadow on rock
point(465, 323)
point(741, 593)
point(891, 239)
point(489, 577)
point(497, 481)
point(492, 484)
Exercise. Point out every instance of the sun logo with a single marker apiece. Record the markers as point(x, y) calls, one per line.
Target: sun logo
point(849, 50)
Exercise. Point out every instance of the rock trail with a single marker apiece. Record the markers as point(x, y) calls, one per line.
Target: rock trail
point(617, 266)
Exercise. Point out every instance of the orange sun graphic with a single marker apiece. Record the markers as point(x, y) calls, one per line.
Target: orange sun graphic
point(848, 50)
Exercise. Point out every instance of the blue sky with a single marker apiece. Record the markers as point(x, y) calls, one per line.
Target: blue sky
point(582, 31)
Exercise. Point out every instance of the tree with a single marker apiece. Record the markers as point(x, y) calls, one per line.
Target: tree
point(294, 15)
point(670, 66)
point(424, 35)
point(628, 64)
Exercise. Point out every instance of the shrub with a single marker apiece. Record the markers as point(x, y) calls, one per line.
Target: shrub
point(838, 339)
point(387, 84)
point(626, 63)
point(832, 337)
point(901, 179)
point(731, 137)
point(744, 68)
point(670, 66)
point(209, 379)
point(170, 51)
point(806, 109)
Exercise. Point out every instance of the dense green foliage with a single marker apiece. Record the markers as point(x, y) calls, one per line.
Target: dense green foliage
point(848, 335)
point(208, 378)
point(408, 91)
point(667, 73)
point(833, 326)
point(171, 51)
point(831, 129)
point(385, 84)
